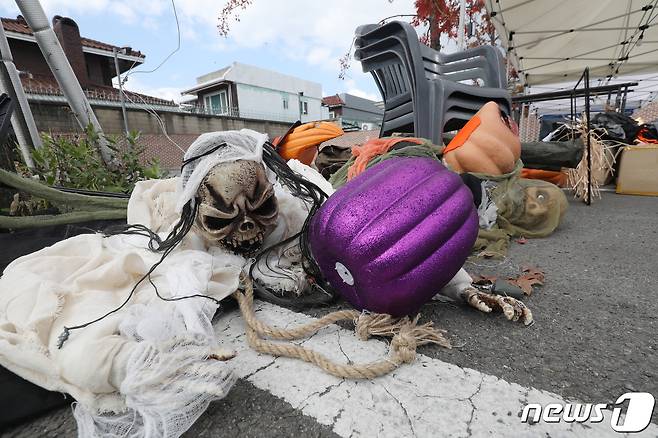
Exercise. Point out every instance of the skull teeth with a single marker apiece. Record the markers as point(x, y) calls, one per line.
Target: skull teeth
point(241, 245)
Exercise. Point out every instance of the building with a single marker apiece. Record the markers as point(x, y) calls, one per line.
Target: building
point(92, 62)
point(353, 111)
point(245, 91)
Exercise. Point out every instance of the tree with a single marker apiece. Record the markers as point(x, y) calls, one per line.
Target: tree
point(442, 19)
point(229, 11)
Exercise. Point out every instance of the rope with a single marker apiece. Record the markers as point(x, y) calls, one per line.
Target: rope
point(407, 336)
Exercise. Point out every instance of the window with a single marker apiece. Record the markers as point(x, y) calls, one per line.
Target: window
point(332, 115)
point(285, 102)
point(217, 103)
point(304, 107)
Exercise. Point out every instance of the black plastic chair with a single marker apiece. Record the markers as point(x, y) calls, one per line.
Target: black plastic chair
point(422, 88)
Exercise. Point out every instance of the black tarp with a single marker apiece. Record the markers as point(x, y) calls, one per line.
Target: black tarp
point(551, 155)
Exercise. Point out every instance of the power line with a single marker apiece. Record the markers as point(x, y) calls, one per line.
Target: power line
point(131, 71)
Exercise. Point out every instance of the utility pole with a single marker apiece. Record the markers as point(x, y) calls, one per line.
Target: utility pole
point(121, 97)
point(462, 24)
point(22, 120)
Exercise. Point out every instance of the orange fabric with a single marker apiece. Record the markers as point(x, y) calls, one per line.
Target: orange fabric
point(640, 136)
point(463, 134)
point(371, 149)
point(556, 177)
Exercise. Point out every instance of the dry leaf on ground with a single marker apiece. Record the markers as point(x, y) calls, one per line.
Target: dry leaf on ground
point(531, 276)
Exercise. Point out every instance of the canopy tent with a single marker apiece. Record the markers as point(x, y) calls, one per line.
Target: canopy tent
point(552, 41)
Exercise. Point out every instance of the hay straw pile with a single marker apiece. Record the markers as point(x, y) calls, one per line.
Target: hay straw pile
point(603, 160)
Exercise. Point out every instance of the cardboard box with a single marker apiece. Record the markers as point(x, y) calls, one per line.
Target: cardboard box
point(638, 171)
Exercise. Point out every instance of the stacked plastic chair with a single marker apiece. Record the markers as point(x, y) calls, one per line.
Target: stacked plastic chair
point(423, 90)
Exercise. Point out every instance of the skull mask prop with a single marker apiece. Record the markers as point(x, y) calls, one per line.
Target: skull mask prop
point(237, 206)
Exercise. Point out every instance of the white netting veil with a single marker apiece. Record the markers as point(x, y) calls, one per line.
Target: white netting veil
point(244, 144)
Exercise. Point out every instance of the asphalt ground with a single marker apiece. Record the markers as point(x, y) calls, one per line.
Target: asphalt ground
point(594, 336)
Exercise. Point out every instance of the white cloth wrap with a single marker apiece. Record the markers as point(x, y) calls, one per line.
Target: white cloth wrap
point(244, 144)
point(142, 371)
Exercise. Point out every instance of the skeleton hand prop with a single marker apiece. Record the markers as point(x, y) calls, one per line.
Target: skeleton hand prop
point(513, 309)
point(222, 355)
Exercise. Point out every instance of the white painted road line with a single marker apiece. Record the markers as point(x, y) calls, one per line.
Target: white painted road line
point(427, 398)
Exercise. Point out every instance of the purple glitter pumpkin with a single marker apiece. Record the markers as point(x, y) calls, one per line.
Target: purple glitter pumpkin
point(392, 237)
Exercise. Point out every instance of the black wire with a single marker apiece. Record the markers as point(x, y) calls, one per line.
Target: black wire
point(157, 292)
point(298, 186)
point(206, 153)
point(156, 244)
point(315, 197)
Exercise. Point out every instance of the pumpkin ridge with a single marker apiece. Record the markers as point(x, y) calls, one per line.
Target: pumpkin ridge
point(452, 241)
point(336, 203)
point(453, 224)
point(366, 226)
point(454, 185)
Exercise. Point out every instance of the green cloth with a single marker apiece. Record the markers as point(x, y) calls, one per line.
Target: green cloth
point(425, 149)
point(526, 207)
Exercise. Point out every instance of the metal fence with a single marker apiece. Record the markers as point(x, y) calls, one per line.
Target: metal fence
point(237, 113)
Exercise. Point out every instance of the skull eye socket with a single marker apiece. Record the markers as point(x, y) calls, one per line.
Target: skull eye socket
point(216, 223)
point(267, 208)
point(218, 200)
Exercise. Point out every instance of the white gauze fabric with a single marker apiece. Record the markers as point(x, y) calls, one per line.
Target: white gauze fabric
point(244, 144)
point(145, 370)
point(488, 210)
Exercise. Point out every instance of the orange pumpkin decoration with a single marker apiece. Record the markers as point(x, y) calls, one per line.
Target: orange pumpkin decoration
point(486, 144)
point(302, 141)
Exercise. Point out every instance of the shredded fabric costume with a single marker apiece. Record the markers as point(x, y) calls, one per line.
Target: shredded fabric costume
point(151, 367)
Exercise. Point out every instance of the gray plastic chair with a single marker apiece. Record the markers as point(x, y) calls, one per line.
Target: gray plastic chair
point(421, 87)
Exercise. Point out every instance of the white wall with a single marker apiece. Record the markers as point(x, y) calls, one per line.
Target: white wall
point(260, 77)
point(267, 104)
point(261, 93)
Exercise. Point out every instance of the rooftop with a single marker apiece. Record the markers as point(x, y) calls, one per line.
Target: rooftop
point(252, 75)
point(331, 101)
point(19, 26)
point(47, 86)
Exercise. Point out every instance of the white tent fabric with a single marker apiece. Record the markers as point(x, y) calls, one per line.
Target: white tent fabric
point(553, 41)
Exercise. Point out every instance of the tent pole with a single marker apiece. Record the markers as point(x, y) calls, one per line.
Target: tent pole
point(589, 142)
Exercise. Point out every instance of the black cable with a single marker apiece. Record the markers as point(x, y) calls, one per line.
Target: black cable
point(312, 194)
point(155, 244)
point(206, 153)
point(298, 186)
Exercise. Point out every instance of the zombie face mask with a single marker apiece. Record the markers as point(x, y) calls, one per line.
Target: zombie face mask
point(533, 208)
point(543, 202)
point(237, 206)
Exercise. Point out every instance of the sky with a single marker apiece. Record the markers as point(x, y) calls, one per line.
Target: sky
point(295, 37)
